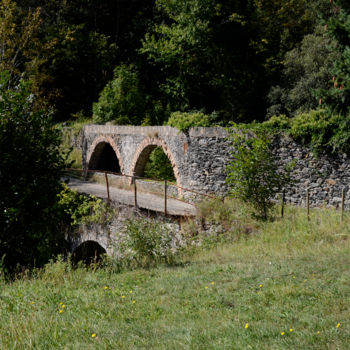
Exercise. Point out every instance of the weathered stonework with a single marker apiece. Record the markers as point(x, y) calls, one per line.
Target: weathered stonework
point(324, 176)
point(110, 234)
point(200, 157)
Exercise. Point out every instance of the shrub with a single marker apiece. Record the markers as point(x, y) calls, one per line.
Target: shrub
point(146, 243)
point(253, 174)
point(321, 130)
point(82, 209)
point(183, 121)
point(280, 122)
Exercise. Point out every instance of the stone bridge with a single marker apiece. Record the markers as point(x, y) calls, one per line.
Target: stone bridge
point(198, 158)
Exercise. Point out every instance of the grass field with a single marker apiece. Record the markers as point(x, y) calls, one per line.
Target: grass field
point(283, 286)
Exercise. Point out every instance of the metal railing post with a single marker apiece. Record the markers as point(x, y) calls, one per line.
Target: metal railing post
point(308, 204)
point(135, 191)
point(342, 204)
point(107, 186)
point(165, 197)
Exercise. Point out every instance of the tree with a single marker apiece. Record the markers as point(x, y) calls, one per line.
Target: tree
point(337, 96)
point(202, 54)
point(91, 38)
point(253, 175)
point(306, 69)
point(30, 171)
point(22, 52)
point(121, 101)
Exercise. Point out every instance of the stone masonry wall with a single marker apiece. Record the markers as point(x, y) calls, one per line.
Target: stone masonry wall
point(201, 156)
point(324, 176)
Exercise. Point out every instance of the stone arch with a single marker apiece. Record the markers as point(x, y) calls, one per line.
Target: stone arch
point(88, 252)
point(96, 148)
point(143, 152)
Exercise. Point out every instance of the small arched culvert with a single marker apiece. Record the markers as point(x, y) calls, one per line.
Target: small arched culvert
point(88, 252)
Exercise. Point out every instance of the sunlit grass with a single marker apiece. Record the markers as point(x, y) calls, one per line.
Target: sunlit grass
point(284, 285)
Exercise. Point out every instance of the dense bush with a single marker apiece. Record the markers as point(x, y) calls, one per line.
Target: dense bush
point(83, 209)
point(146, 243)
point(321, 130)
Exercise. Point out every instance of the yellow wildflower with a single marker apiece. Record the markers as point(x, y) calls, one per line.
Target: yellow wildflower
point(93, 335)
point(60, 311)
point(63, 306)
point(212, 283)
point(290, 329)
point(133, 301)
point(123, 296)
point(282, 333)
point(338, 325)
point(206, 287)
point(318, 332)
point(260, 285)
point(246, 325)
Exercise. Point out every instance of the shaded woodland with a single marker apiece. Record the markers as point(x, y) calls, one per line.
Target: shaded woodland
point(136, 62)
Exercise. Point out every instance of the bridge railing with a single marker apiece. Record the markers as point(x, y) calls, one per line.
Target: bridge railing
point(84, 174)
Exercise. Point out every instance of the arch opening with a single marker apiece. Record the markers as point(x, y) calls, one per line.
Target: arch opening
point(104, 158)
point(153, 163)
point(88, 252)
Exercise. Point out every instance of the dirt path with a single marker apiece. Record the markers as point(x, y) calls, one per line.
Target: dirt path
point(144, 200)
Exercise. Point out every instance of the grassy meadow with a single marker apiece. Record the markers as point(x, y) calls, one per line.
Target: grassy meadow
point(283, 285)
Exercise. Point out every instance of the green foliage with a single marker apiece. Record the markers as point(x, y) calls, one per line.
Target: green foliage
point(121, 101)
point(71, 132)
point(184, 121)
point(294, 19)
point(306, 68)
point(323, 131)
point(320, 130)
point(146, 243)
point(196, 47)
point(337, 96)
point(30, 170)
point(159, 166)
point(23, 52)
point(82, 209)
point(253, 174)
point(280, 122)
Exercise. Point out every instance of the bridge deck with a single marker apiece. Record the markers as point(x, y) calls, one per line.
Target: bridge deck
point(144, 200)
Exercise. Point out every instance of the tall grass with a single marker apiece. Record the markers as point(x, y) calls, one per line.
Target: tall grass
point(280, 285)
